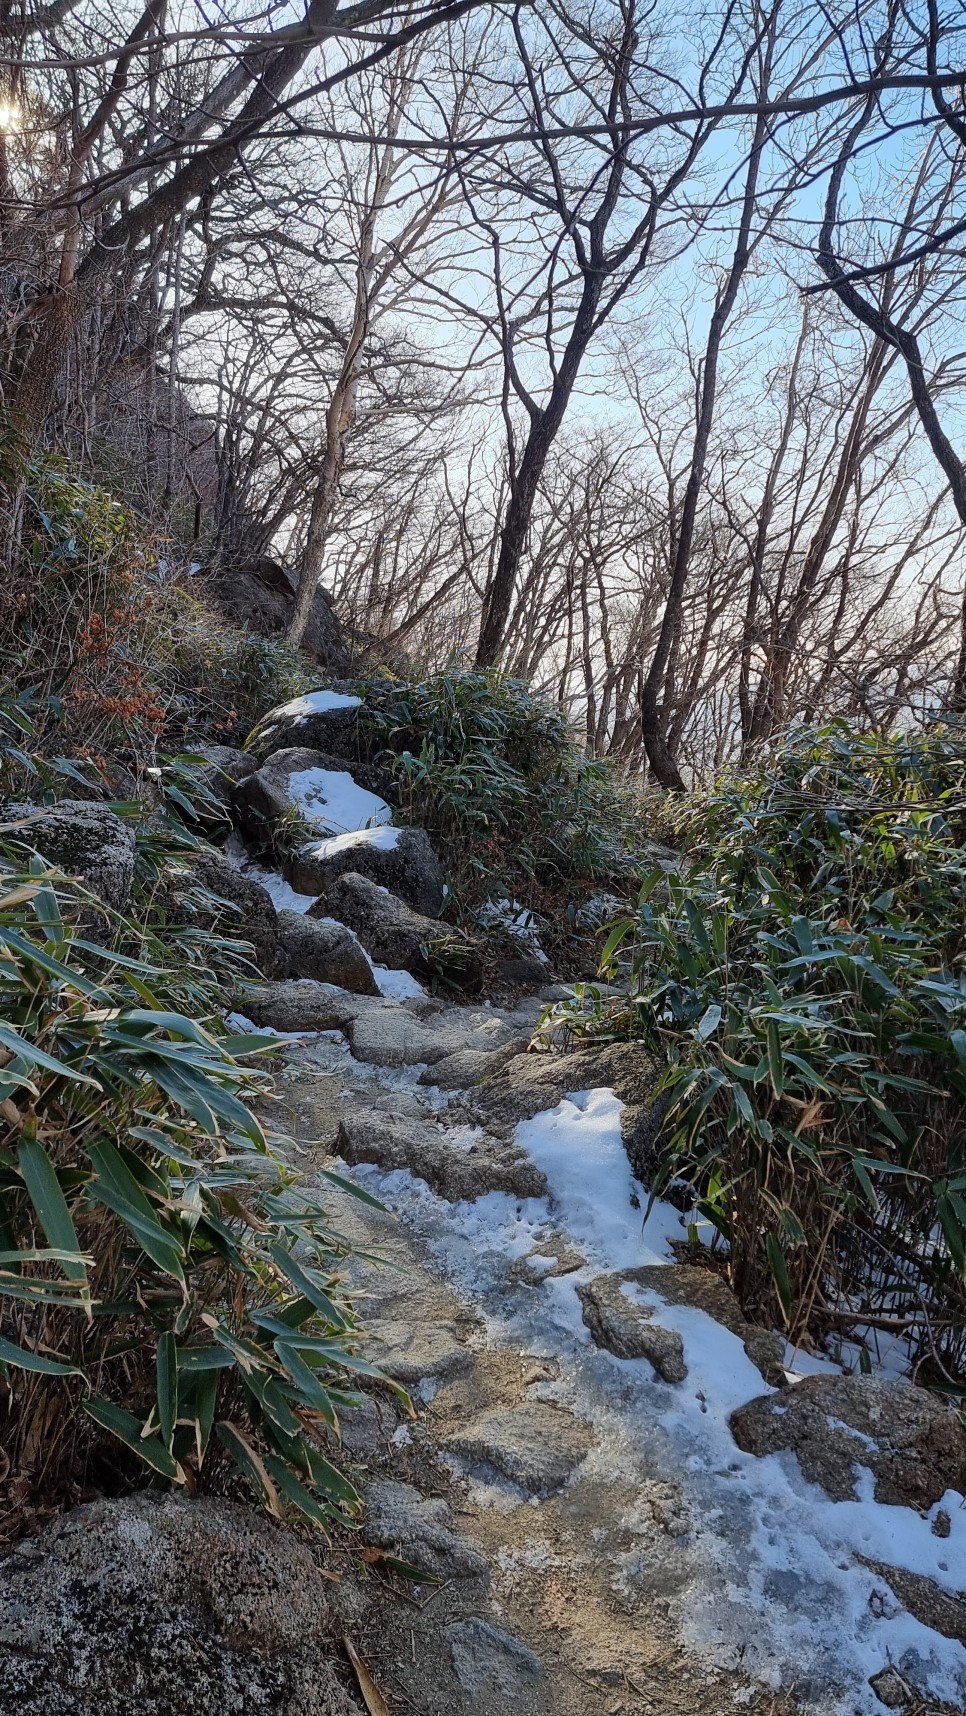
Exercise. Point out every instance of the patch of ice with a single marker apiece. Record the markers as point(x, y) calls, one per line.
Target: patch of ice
point(334, 802)
point(283, 895)
point(398, 985)
point(384, 838)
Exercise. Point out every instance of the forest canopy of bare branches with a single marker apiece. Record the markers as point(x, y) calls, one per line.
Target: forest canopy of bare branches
point(617, 344)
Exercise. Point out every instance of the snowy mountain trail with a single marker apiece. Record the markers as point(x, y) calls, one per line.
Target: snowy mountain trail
point(604, 1545)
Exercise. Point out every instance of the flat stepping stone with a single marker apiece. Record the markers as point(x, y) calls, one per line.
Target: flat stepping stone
point(467, 1067)
point(418, 1529)
point(410, 1355)
point(395, 1039)
point(453, 1172)
point(534, 1445)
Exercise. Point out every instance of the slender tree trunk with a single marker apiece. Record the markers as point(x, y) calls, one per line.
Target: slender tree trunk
point(656, 681)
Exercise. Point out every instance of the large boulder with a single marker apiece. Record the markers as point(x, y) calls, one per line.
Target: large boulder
point(914, 1445)
point(400, 859)
point(83, 839)
point(323, 720)
point(169, 1607)
point(215, 895)
point(325, 950)
point(260, 594)
point(316, 786)
point(394, 935)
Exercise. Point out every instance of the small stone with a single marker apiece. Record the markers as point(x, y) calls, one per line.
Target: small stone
point(490, 1663)
point(536, 1446)
point(942, 1525)
point(418, 1529)
point(367, 1427)
point(891, 1690)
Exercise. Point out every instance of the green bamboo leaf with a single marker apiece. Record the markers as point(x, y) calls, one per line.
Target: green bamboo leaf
point(53, 1213)
point(775, 1066)
point(166, 1364)
point(779, 1269)
point(37, 1057)
point(297, 1494)
point(251, 1465)
point(10, 1353)
point(618, 934)
point(307, 1286)
point(130, 1431)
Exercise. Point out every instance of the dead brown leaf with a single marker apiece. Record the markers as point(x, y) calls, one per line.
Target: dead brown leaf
point(375, 1703)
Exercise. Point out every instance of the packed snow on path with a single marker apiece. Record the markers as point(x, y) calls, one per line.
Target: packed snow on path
point(776, 1588)
point(283, 895)
point(334, 803)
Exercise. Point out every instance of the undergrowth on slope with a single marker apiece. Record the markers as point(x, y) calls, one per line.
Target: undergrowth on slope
point(171, 1300)
point(804, 977)
point(497, 777)
point(106, 659)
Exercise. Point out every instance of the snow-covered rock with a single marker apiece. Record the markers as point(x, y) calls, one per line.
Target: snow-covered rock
point(400, 859)
point(325, 720)
point(914, 1445)
point(318, 787)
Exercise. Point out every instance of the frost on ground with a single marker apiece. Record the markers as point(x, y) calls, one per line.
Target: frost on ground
point(776, 1584)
